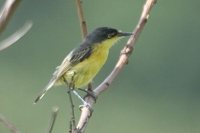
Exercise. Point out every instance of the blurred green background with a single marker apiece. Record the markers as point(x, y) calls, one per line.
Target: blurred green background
point(158, 91)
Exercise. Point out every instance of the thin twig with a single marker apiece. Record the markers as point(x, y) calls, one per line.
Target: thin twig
point(8, 124)
point(72, 120)
point(53, 119)
point(83, 27)
point(6, 12)
point(15, 36)
point(82, 20)
point(123, 59)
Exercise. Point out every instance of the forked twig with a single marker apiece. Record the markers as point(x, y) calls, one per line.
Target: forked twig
point(123, 59)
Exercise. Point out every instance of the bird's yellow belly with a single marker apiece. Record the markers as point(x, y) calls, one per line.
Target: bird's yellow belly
point(84, 72)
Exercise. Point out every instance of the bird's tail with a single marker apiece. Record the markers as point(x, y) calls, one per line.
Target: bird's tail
point(48, 87)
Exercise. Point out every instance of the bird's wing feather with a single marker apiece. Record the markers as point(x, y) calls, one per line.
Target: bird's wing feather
point(80, 54)
point(74, 57)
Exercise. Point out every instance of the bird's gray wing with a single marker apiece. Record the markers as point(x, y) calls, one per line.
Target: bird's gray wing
point(75, 56)
point(80, 54)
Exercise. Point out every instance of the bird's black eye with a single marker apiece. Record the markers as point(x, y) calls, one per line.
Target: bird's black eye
point(111, 35)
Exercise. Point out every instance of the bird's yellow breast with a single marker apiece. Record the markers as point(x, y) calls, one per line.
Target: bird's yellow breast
point(86, 70)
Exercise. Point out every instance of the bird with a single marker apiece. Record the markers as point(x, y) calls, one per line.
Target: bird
point(83, 63)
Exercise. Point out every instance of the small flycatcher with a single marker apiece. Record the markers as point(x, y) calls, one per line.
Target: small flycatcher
point(83, 63)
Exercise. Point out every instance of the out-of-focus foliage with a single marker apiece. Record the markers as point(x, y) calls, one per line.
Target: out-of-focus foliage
point(158, 91)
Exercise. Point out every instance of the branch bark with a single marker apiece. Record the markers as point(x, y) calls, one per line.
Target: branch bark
point(82, 20)
point(72, 125)
point(123, 59)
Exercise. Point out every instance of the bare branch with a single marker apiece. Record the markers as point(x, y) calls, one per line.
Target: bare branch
point(123, 59)
point(53, 119)
point(72, 120)
point(82, 20)
point(83, 26)
point(8, 124)
point(126, 51)
point(6, 12)
point(15, 36)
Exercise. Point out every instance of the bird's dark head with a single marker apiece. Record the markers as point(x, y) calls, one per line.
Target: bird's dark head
point(102, 34)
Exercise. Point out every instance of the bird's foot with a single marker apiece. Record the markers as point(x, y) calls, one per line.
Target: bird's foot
point(90, 93)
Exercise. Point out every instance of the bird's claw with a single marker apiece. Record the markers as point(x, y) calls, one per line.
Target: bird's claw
point(86, 105)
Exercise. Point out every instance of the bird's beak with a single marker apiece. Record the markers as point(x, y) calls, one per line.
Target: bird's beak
point(121, 34)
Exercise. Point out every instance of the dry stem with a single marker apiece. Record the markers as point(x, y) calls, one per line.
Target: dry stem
point(72, 120)
point(82, 21)
point(123, 59)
